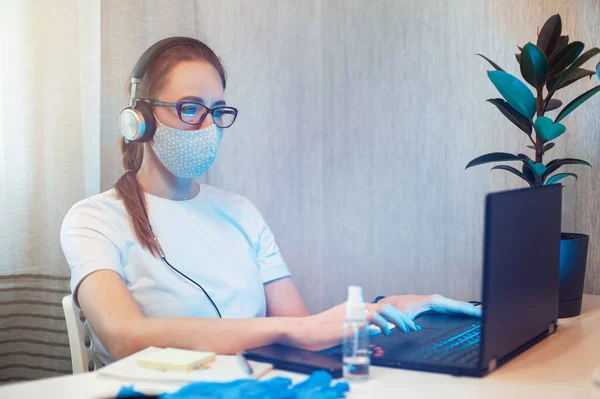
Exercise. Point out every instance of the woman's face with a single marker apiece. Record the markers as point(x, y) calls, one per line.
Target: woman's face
point(189, 80)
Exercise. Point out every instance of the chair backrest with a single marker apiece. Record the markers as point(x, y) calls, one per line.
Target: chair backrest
point(83, 358)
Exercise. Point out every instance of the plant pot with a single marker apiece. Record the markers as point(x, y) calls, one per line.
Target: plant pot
point(573, 256)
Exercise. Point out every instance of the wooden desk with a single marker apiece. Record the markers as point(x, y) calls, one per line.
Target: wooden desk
point(559, 367)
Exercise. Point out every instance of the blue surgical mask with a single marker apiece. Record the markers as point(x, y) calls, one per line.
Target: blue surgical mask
point(186, 153)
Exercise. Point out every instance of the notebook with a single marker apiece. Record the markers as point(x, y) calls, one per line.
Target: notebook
point(173, 359)
point(223, 369)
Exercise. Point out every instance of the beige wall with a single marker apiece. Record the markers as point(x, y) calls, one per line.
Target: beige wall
point(356, 121)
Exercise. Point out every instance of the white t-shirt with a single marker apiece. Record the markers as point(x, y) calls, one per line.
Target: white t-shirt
point(218, 239)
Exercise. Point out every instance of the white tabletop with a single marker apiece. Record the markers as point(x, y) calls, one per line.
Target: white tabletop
point(559, 367)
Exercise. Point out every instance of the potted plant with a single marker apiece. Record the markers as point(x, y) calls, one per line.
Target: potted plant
point(548, 66)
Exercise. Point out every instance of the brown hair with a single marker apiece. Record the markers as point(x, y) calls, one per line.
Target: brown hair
point(127, 186)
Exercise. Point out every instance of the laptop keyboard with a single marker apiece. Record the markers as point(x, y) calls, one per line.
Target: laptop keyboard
point(460, 348)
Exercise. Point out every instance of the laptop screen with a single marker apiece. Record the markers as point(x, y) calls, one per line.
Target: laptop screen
point(521, 268)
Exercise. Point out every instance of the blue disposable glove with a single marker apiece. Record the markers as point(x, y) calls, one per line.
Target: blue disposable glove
point(317, 386)
point(413, 305)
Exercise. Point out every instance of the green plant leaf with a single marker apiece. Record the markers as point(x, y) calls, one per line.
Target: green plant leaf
point(492, 157)
point(537, 168)
point(562, 43)
point(528, 173)
point(598, 71)
point(512, 115)
point(534, 65)
point(574, 66)
point(548, 130)
point(545, 148)
point(518, 57)
point(557, 163)
point(553, 104)
point(496, 67)
point(573, 77)
point(553, 179)
point(570, 107)
point(513, 171)
point(514, 92)
point(565, 57)
point(582, 59)
point(524, 157)
point(550, 34)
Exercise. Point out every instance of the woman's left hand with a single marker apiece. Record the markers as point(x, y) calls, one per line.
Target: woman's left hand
point(413, 305)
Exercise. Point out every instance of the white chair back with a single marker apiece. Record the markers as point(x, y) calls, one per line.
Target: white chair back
point(83, 358)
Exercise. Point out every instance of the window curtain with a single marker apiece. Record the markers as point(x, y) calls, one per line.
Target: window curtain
point(49, 159)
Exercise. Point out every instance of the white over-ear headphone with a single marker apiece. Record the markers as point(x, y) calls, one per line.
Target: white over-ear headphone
point(137, 122)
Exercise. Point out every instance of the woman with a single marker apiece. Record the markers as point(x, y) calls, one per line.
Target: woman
point(158, 260)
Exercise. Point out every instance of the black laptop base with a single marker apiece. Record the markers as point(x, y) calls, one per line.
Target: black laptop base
point(399, 358)
point(395, 351)
point(405, 350)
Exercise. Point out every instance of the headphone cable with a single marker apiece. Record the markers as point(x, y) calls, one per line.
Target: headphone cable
point(158, 246)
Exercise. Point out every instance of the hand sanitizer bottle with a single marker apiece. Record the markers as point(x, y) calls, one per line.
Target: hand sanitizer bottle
point(356, 337)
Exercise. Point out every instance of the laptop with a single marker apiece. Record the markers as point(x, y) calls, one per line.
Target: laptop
point(520, 294)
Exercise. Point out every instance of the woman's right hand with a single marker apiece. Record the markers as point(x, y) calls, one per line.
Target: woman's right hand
point(324, 330)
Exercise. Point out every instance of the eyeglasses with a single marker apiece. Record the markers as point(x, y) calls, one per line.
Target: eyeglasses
point(193, 113)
